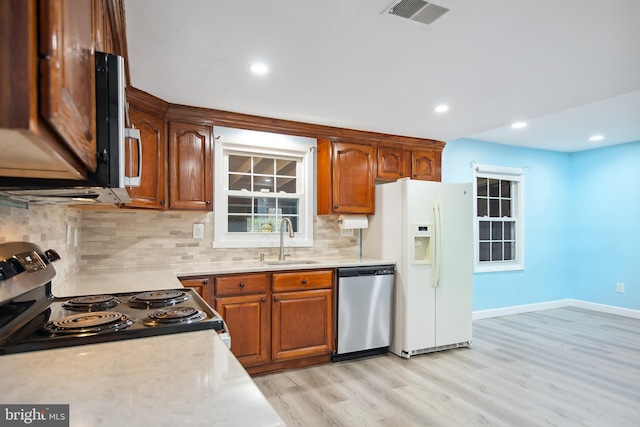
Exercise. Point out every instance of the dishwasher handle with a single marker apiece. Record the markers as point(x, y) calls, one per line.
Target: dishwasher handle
point(377, 270)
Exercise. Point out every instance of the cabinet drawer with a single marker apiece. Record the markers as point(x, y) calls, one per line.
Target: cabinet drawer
point(241, 284)
point(194, 282)
point(199, 284)
point(300, 280)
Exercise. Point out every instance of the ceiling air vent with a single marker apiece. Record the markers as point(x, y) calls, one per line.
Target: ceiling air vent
point(417, 10)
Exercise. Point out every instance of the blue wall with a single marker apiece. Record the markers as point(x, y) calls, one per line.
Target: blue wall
point(605, 225)
point(581, 223)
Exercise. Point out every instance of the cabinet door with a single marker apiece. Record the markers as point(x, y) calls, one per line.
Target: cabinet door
point(151, 192)
point(301, 324)
point(354, 173)
point(190, 166)
point(67, 74)
point(425, 164)
point(391, 163)
point(247, 318)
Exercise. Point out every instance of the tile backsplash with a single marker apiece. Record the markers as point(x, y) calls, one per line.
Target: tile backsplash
point(122, 238)
point(46, 226)
point(118, 238)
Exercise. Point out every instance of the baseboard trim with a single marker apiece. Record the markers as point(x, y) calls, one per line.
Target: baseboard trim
point(526, 308)
point(611, 309)
point(517, 309)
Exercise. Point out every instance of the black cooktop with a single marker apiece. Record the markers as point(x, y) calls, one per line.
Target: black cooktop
point(107, 317)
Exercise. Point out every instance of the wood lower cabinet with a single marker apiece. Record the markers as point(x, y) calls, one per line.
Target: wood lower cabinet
point(247, 318)
point(241, 300)
point(277, 320)
point(346, 175)
point(301, 324)
point(190, 166)
point(302, 314)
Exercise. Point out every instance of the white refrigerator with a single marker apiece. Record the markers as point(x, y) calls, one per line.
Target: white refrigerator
point(427, 229)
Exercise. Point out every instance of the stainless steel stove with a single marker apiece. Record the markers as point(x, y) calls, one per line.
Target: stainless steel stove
point(31, 318)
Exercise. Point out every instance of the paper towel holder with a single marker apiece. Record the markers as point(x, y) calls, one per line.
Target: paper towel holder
point(353, 221)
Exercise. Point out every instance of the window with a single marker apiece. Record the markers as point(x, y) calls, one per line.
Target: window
point(262, 178)
point(498, 212)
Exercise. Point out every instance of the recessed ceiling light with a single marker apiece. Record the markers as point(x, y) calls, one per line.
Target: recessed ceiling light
point(596, 138)
point(519, 125)
point(259, 68)
point(441, 109)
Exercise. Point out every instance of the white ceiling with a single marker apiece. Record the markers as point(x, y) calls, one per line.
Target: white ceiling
point(569, 68)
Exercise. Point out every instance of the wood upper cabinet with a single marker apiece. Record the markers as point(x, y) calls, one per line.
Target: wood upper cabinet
point(47, 89)
point(391, 163)
point(406, 162)
point(426, 165)
point(190, 166)
point(241, 300)
point(67, 74)
point(346, 175)
point(47, 84)
point(302, 315)
point(147, 115)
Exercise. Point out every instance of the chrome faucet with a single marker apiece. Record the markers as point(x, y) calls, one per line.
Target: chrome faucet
point(281, 255)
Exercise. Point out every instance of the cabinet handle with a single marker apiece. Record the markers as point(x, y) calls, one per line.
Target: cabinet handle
point(241, 284)
point(264, 299)
point(207, 203)
point(415, 175)
point(275, 299)
point(304, 281)
point(205, 281)
point(335, 207)
point(401, 174)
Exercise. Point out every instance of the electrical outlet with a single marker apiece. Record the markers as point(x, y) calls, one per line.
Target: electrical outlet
point(620, 288)
point(346, 232)
point(68, 234)
point(198, 231)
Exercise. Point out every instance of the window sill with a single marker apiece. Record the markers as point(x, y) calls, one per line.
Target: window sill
point(498, 267)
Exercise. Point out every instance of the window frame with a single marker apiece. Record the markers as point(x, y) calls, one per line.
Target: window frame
point(516, 177)
point(263, 144)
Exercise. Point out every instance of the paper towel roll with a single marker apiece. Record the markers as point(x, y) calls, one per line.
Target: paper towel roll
point(353, 221)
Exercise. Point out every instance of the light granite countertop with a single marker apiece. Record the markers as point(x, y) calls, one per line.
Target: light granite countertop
point(93, 281)
point(186, 379)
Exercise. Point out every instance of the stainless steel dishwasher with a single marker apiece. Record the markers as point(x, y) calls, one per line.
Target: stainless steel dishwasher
point(363, 320)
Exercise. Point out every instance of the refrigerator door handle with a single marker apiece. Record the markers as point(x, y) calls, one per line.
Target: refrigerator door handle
point(438, 243)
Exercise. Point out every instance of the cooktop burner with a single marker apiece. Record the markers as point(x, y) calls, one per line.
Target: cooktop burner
point(156, 299)
point(91, 303)
point(174, 315)
point(98, 322)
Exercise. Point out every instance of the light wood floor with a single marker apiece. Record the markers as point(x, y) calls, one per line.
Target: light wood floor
point(560, 367)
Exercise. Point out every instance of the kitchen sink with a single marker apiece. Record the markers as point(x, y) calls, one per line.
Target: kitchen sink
point(289, 262)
